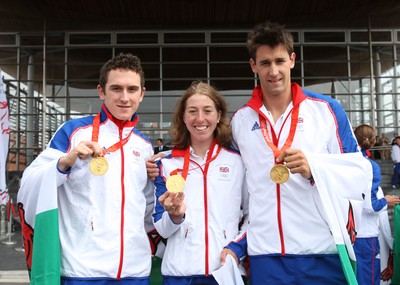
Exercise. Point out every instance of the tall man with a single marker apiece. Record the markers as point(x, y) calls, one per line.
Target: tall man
point(278, 132)
point(96, 165)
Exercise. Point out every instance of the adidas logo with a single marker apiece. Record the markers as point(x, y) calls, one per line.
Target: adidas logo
point(256, 126)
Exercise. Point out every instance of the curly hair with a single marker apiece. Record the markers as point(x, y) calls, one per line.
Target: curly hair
point(125, 61)
point(181, 135)
point(271, 34)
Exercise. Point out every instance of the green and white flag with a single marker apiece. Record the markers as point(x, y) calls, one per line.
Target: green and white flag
point(37, 205)
point(343, 180)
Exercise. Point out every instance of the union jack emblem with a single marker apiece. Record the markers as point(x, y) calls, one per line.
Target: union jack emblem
point(224, 169)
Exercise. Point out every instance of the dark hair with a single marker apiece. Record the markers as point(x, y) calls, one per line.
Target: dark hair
point(366, 136)
point(160, 140)
point(271, 34)
point(181, 135)
point(121, 61)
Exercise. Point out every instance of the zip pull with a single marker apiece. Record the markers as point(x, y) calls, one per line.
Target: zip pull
point(91, 224)
point(224, 234)
point(186, 233)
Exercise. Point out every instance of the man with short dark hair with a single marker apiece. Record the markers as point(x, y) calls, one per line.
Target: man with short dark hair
point(160, 146)
point(283, 134)
point(93, 172)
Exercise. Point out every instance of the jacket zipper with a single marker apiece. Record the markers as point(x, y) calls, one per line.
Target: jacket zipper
point(121, 254)
point(278, 194)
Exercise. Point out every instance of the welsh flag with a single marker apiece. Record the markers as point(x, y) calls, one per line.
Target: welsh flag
point(342, 180)
point(38, 210)
point(4, 141)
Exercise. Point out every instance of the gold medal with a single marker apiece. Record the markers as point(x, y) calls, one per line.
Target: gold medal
point(279, 173)
point(175, 183)
point(98, 166)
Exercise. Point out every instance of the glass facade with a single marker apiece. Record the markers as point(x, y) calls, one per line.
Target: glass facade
point(342, 63)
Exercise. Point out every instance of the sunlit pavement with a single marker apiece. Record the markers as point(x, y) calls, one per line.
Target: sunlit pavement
point(12, 262)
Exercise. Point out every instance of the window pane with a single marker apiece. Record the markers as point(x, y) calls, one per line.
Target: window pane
point(89, 68)
point(8, 39)
point(336, 69)
point(229, 54)
point(231, 70)
point(90, 39)
point(229, 37)
point(232, 84)
point(381, 36)
point(184, 54)
point(321, 37)
point(184, 70)
point(137, 38)
point(174, 38)
point(146, 54)
point(325, 53)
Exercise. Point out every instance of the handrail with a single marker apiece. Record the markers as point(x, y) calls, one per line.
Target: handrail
point(381, 147)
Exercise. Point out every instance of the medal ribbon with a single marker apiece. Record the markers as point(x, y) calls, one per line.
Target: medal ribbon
point(95, 136)
point(274, 144)
point(186, 160)
point(274, 147)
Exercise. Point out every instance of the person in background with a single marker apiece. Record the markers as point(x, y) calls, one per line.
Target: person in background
point(366, 246)
point(160, 146)
point(385, 142)
point(105, 199)
point(395, 135)
point(378, 153)
point(201, 193)
point(396, 161)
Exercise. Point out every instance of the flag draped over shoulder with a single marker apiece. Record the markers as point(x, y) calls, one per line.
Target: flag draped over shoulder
point(38, 209)
point(343, 181)
point(4, 141)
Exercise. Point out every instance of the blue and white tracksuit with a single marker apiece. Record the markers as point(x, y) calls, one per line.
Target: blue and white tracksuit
point(216, 201)
point(289, 241)
point(367, 246)
point(395, 155)
point(101, 218)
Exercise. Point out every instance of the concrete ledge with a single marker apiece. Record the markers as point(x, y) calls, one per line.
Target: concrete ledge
point(14, 277)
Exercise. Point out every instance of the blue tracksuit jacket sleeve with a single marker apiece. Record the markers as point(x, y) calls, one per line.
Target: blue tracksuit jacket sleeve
point(239, 247)
point(160, 188)
point(377, 204)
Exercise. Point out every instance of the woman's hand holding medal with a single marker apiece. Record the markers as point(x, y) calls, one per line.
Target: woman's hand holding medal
point(174, 204)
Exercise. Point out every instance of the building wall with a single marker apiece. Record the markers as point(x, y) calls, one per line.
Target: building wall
point(340, 63)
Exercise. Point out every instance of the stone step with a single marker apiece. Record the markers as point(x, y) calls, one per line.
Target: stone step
point(9, 277)
point(386, 167)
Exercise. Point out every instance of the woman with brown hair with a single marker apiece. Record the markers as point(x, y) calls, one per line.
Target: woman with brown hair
point(201, 198)
point(366, 246)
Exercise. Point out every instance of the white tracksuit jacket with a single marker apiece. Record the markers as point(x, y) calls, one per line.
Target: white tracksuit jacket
point(214, 210)
point(288, 221)
point(101, 218)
